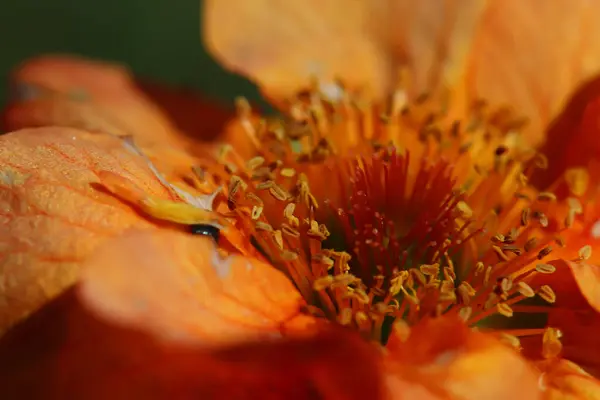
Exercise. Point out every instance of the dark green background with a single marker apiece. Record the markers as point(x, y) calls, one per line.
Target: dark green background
point(158, 39)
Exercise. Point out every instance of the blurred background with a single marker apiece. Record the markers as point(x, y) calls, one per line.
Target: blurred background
point(158, 40)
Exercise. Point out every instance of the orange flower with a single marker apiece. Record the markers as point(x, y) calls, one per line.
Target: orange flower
point(410, 223)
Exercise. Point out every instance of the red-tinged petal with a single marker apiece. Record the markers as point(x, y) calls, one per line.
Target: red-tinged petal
point(587, 277)
point(572, 138)
point(443, 359)
point(51, 213)
point(179, 286)
point(193, 114)
point(579, 339)
point(564, 380)
point(65, 352)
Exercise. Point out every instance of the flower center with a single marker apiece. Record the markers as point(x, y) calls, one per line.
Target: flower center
point(382, 216)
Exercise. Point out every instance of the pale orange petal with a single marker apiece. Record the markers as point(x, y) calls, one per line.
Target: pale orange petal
point(533, 56)
point(444, 359)
point(564, 380)
point(52, 216)
point(179, 286)
point(523, 54)
point(280, 44)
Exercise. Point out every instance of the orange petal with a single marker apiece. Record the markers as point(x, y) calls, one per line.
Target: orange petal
point(444, 359)
point(572, 136)
point(571, 283)
point(71, 354)
point(85, 94)
point(564, 380)
point(179, 286)
point(587, 277)
point(537, 72)
point(282, 44)
point(52, 215)
point(470, 46)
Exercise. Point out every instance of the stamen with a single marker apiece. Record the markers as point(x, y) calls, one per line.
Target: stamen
point(382, 221)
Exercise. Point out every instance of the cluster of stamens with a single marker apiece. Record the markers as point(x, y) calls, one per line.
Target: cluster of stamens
point(382, 221)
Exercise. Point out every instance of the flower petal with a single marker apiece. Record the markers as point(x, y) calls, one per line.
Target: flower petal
point(85, 94)
point(81, 356)
point(443, 359)
point(564, 380)
point(587, 277)
point(193, 114)
point(579, 342)
point(282, 44)
point(571, 139)
point(188, 291)
point(536, 73)
point(469, 46)
point(52, 216)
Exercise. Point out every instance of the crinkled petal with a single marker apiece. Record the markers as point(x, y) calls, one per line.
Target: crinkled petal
point(52, 215)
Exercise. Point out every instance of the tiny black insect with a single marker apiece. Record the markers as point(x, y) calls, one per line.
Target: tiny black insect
point(206, 230)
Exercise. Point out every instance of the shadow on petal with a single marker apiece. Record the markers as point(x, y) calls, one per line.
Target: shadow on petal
point(63, 351)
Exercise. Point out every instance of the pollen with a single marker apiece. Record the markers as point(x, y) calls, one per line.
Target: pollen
point(385, 214)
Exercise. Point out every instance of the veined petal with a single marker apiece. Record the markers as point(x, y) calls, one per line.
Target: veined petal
point(71, 353)
point(180, 287)
point(443, 359)
point(52, 215)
